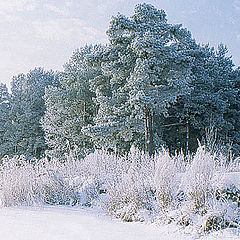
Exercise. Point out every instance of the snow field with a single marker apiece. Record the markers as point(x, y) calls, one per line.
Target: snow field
point(71, 223)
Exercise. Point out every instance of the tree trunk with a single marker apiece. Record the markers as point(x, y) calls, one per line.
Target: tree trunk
point(187, 137)
point(148, 132)
point(84, 113)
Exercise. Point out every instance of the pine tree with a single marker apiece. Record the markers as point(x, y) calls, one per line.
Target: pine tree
point(70, 106)
point(5, 124)
point(146, 68)
point(210, 103)
point(27, 108)
point(233, 114)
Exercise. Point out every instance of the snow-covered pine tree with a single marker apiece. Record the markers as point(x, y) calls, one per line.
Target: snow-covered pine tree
point(111, 96)
point(211, 101)
point(27, 108)
point(147, 68)
point(233, 114)
point(5, 123)
point(226, 89)
point(71, 106)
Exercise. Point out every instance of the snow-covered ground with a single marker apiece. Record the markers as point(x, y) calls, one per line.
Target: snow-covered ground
point(70, 223)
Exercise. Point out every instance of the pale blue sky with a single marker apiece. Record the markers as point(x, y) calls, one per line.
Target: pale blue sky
point(44, 33)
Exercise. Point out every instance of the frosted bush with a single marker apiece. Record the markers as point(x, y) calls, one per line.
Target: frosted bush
point(18, 182)
point(51, 182)
point(131, 191)
point(72, 182)
point(224, 213)
point(165, 179)
point(208, 183)
point(196, 182)
point(102, 166)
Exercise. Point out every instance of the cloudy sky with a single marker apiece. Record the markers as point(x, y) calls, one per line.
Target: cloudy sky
point(45, 32)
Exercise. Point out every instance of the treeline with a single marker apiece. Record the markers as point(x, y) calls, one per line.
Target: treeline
point(152, 84)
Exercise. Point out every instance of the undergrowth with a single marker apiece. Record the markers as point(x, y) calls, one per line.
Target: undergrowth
point(200, 190)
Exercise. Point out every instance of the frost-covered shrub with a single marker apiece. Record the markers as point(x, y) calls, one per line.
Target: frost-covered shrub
point(18, 182)
point(224, 211)
point(101, 166)
point(166, 180)
point(130, 194)
point(208, 193)
point(215, 222)
point(72, 182)
point(44, 181)
point(223, 215)
point(143, 185)
point(196, 181)
point(54, 187)
point(227, 187)
point(23, 182)
point(177, 217)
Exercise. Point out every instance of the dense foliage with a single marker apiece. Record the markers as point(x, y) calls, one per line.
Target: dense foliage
point(23, 109)
point(214, 101)
point(71, 106)
point(146, 66)
point(152, 84)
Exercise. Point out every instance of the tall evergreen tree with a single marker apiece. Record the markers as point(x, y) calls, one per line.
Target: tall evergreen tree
point(27, 108)
point(234, 112)
point(212, 101)
point(147, 68)
point(5, 123)
point(70, 106)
